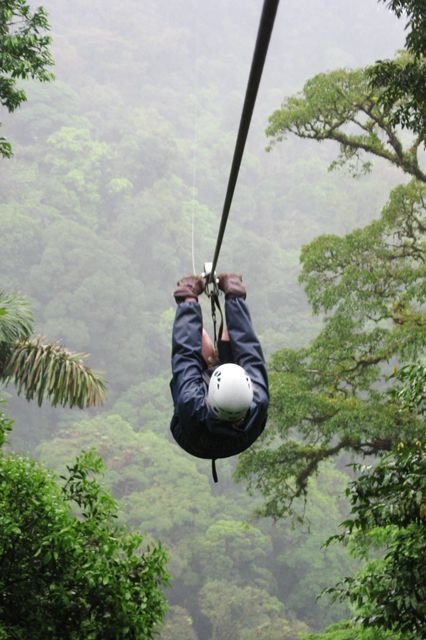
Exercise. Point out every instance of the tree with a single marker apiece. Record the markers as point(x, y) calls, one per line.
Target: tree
point(333, 396)
point(343, 392)
point(342, 106)
point(178, 625)
point(389, 512)
point(402, 82)
point(374, 101)
point(79, 165)
point(233, 550)
point(24, 53)
point(66, 568)
point(246, 613)
point(42, 370)
point(386, 527)
point(303, 567)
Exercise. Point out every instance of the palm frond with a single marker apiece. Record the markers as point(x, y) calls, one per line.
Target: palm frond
point(16, 319)
point(50, 371)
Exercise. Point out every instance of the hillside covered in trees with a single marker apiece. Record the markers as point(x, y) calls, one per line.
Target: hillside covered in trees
point(119, 167)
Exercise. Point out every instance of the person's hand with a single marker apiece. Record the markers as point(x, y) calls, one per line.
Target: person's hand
point(232, 285)
point(189, 287)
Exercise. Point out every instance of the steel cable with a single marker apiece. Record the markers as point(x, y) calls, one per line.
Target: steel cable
point(261, 48)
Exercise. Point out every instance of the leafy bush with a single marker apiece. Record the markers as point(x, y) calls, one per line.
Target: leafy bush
point(67, 570)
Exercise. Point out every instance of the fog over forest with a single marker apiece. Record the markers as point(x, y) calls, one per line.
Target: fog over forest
point(117, 162)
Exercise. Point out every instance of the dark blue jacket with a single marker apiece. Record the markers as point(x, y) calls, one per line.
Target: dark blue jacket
point(193, 425)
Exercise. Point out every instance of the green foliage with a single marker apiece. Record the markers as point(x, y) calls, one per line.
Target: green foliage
point(66, 568)
point(178, 625)
point(343, 107)
point(42, 370)
point(136, 141)
point(51, 371)
point(245, 613)
point(353, 631)
point(335, 395)
point(402, 82)
point(389, 512)
point(78, 161)
point(416, 24)
point(16, 320)
point(376, 272)
point(305, 567)
point(160, 489)
point(5, 426)
point(146, 405)
point(233, 550)
point(24, 53)
point(413, 390)
point(167, 493)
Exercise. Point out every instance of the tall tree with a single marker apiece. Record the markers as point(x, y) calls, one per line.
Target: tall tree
point(389, 513)
point(343, 392)
point(333, 396)
point(24, 53)
point(386, 528)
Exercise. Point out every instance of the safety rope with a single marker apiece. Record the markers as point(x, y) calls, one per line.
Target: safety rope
point(212, 291)
point(261, 48)
point(195, 138)
point(193, 207)
point(215, 304)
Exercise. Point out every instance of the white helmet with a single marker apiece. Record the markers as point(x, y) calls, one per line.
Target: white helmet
point(230, 392)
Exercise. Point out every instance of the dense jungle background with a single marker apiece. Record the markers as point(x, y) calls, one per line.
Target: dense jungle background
point(117, 162)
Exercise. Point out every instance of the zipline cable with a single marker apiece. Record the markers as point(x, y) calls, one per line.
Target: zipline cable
point(261, 48)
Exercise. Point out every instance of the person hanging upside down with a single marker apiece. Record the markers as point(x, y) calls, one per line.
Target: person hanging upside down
point(220, 397)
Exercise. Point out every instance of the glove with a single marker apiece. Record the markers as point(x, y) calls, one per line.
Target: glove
point(188, 287)
point(232, 285)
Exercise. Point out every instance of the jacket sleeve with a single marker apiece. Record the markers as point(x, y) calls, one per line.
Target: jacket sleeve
point(246, 348)
point(188, 387)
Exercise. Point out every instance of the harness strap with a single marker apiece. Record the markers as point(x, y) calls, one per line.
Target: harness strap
point(214, 300)
point(214, 472)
